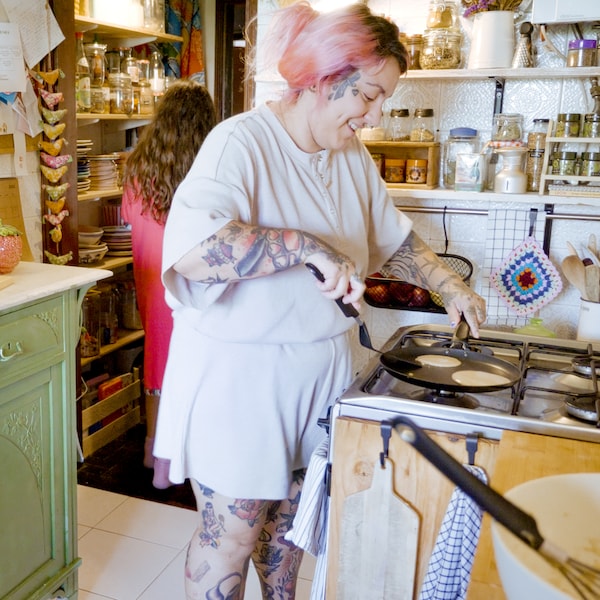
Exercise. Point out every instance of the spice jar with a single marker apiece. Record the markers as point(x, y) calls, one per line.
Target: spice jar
point(379, 161)
point(121, 94)
point(395, 170)
point(398, 127)
point(442, 14)
point(590, 164)
point(536, 146)
point(591, 125)
point(423, 128)
point(416, 170)
point(565, 163)
point(568, 125)
point(414, 45)
point(441, 50)
point(507, 127)
point(581, 53)
point(461, 140)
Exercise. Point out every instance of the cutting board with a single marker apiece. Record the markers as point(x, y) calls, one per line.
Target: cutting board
point(5, 281)
point(378, 542)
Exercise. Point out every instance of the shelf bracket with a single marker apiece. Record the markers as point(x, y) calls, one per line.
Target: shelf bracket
point(498, 94)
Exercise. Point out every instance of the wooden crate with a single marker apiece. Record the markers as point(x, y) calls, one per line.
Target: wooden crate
point(126, 400)
point(429, 151)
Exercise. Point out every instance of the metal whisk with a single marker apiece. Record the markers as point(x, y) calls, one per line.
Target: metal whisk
point(585, 579)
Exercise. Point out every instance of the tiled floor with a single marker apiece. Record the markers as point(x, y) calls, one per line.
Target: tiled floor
point(135, 549)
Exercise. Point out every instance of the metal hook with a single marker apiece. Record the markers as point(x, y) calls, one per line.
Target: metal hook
point(386, 434)
point(471, 443)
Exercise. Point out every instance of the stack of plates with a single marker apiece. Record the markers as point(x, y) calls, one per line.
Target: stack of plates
point(83, 147)
point(118, 240)
point(103, 171)
point(83, 175)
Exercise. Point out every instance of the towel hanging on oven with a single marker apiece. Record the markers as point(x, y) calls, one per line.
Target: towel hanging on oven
point(527, 280)
point(449, 571)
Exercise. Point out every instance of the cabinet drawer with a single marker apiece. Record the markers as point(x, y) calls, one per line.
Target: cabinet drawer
point(31, 338)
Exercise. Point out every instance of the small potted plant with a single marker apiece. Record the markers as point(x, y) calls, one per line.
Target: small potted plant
point(11, 248)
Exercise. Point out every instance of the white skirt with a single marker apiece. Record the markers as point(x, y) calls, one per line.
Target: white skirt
point(240, 418)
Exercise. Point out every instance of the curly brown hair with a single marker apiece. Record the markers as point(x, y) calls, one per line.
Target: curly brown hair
point(168, 145)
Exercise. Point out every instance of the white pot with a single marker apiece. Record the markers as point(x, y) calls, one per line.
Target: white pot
point(492, 40)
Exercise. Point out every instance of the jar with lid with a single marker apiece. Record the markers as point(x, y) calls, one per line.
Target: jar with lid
point(121, 94)
point(395, 170)
point(565, 163)
point(536, 146)
point(109, 320)
point(441, 49)
point(581, 53)
point(568, 125)
point(414, 46)
point(590, 164)
point(591, 125)
point(507, 127)
point(154, 14)
point(461, 140)
point(511, 179)
point(89, 341)
point(416, 170)
point(398, 126)
point(96, 55)
point(423, 129)
point(146, 101)
point(442, 14)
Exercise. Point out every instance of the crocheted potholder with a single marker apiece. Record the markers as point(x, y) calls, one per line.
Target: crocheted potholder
point(527, 279)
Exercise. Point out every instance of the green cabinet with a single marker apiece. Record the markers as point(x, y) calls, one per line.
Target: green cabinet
point(39, 330)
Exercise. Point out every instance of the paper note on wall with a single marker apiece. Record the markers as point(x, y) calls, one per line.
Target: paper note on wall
point(10, 210)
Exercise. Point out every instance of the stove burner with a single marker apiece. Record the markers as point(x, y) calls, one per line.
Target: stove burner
point(583, 364)
point(446, 398)
point(583, 408)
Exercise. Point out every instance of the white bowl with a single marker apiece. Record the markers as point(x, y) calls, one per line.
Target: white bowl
point(92, 255)
point(88, 235)
point(567, 512)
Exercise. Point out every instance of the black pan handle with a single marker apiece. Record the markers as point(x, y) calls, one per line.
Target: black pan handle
point(505, 512)
point(347, 309)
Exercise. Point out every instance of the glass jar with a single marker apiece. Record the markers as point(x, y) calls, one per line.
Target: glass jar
point(581, 53)
point(568, 125)
point(146, 101)
point(89, 341)
point(536, 146)
point(423, 129)
point(96, 55)
point(591, 125)
point(154, 14)
point(590, 164)
point(461, 140)
point(395, 170)
point(398, 127)
point(565, 163)
point(441, 50)
point(416, 170)
point(442, 14)
point(507, 127)
point(109, 320)
point(414, 46)
point(121, 94)
point(511, 179)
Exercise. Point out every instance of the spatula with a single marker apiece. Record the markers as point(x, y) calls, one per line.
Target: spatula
point(574, 270)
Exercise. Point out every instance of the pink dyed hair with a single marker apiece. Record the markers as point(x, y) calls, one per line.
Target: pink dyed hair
point(311, 48)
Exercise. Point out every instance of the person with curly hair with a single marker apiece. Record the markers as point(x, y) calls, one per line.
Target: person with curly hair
point(158, 163)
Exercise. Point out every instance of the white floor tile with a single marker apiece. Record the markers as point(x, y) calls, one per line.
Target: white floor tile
point(152, 522)
point(169, 584)
point(93, 505)
point(120, 567)
point(83, 595)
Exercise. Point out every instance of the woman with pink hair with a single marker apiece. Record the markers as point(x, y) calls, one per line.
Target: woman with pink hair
point(259, 349)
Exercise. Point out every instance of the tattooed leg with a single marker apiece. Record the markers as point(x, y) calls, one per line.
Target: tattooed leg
point(219, 551)
point(276, 560)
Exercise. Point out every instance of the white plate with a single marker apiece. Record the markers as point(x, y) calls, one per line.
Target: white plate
point(567, 512)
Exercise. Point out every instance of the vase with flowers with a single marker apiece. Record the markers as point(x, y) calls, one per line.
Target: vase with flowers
point(492, 32)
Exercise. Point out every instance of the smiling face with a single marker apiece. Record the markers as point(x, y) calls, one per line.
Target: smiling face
point(333, 117)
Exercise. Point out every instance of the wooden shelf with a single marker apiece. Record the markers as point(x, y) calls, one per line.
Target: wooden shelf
point(126, 337)
point(110, 263)
point(528, 73)
point(127, 36)
point(98, 194)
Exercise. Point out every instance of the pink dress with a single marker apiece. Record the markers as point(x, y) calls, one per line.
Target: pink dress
point(147, 245)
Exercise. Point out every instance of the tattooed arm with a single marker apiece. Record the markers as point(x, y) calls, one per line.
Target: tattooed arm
point(239, 251)
point(415, 262)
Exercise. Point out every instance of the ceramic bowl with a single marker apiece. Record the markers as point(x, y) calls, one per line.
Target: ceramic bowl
point(92, 255)
point(567, 512)
point(89, 236)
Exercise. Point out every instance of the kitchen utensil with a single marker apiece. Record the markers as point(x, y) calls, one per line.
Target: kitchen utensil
point(584, 578)
point(586, 253)
point(452, 368)
point(592, 282)
point(593, 244)
point(378, 541)
point(574, 270)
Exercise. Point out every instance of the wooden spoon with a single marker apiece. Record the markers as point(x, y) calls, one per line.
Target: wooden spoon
point(574, 271)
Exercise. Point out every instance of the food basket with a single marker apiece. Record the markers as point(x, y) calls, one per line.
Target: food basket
point(389, 292)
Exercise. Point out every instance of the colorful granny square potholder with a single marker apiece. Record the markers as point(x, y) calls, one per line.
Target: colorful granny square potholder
point(527, 279)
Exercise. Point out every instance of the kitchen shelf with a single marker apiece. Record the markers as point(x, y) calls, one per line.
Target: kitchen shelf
point(125, 337)
point(527, 73)
point(110, 263)
point(99, 194)
point(127, 36)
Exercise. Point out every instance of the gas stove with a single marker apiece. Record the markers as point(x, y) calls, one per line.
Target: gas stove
point(556, 394)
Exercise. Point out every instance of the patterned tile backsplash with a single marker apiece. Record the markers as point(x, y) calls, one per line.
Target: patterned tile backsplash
point(470, 103)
